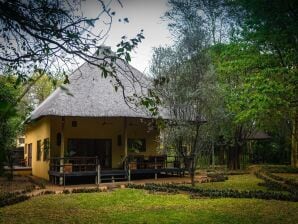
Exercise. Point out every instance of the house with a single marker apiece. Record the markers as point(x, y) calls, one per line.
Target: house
point(87, 128)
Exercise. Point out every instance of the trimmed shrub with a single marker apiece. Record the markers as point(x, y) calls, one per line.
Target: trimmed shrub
point(274, 184)
point(197, 192)
point(86, 190)
point(217, 177)
point(12, 198)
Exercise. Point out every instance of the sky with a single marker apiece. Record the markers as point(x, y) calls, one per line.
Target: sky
point(142, 14)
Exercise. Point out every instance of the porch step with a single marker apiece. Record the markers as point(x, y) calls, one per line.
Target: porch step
point(113, 177)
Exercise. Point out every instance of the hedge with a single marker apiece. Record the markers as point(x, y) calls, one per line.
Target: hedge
point(212, 193)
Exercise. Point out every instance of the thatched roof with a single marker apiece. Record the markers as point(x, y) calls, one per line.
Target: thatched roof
point(258, 135)
point(90, 95)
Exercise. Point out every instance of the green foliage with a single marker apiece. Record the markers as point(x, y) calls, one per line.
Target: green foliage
point(253, 83)
point(197, 192)
point(9, 119)
point(274, 184)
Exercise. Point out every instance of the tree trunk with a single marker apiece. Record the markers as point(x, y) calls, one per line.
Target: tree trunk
point(234, 157)
point(294, 151)
point(192, 178)
point(191, 169)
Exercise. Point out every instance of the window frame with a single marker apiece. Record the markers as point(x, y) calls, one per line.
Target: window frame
point(46, 149)
point(38, 150)
point(131, 148)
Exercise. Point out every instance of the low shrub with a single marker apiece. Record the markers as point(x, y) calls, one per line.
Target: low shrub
point(280, 169)
point(48, 192)
point(66, 191)
point(86, 190)
point(274, 184)
point(217, 177)
point(12, 198)
point(197, 192)
point(287, 181)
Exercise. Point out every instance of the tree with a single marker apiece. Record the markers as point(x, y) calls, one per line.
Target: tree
point(255, 95)
point(46, 37)
point(184, 84)
point(272, 30)
point(211, 16)
point(9, 122)
point(40, 90)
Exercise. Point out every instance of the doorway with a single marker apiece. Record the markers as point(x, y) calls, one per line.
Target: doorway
point(102, 148)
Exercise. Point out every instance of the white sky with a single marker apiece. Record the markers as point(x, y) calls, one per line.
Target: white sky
point(142, 14)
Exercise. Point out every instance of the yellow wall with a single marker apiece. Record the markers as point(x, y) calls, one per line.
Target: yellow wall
point(38, 130)
point(105, 128)
point(90, 128)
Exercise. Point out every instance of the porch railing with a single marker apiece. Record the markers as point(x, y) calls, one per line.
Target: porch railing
point(153, 162)
point(73, 164)
point(136, 162)
point(62, 167)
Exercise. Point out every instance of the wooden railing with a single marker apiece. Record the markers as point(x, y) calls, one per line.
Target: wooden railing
point(153, 162)
point(73, 164)
point(83, 164)
point(63, 167)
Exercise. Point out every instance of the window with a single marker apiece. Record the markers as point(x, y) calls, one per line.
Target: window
point(29, 158)
point(74, 124)
point(136, 145)
point(119, 140)
point(38, 151)
point(21, 140)
point(46, 149)
point(58, 139)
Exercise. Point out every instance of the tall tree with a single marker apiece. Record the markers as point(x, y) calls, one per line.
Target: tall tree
point(9, 122)
point(272, 29)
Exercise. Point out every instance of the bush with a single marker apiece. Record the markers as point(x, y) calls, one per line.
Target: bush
point(274, 184)
point(66, 191)
point(287, 181)
point(197, 192)
point(217, 177)
point(86, 190)
point(12, 198)
point(280, 169)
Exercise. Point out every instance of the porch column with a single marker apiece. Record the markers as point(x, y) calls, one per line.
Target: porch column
point(61, 179)
point(125, 136)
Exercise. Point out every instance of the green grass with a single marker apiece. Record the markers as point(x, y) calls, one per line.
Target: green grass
point(236, 182)
point(137, 206)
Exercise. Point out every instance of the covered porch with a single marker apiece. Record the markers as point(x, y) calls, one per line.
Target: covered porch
point(63, 169)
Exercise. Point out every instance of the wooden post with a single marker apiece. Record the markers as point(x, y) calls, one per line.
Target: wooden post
point(125, 136)
point(61, 179)
point(213, 156)
point(129, 177)
point(98, 174)
point(155, 167)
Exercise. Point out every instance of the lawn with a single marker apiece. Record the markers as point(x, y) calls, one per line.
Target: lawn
point(236, 182)
point(138, 206)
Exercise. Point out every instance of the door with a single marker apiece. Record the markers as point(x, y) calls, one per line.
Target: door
point(29, 159)
point(102, 148)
